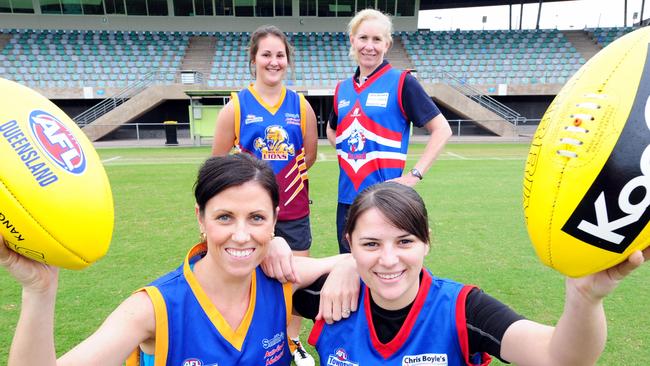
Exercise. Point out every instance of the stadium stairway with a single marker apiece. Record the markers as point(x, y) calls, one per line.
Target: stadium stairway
point(136, 106)
point(452, 98)
point(465, 107)
point(398, 56)
point(199, 54)
point(584, 44)
point(4, 39)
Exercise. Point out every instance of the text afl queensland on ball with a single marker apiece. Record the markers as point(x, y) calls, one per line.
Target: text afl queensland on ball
point(56, 205)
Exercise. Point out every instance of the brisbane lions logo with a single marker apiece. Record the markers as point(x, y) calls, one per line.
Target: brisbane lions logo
point(275, 144)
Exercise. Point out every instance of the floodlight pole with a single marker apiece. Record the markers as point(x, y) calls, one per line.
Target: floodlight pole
point(539, 13)
point(625, 13)
point(641, 14)
point(510, 17)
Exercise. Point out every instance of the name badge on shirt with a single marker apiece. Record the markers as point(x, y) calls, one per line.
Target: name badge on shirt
point(377, 100)
point(425, 359)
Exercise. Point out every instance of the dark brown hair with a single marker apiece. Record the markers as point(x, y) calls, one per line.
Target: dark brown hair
point(219, 173)
point(263, 32)
point(401, 205)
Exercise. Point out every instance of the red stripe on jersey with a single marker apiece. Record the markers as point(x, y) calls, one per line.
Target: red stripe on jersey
point(400, 87)
point(367, 123)
point(371, 166)
point(371, 79)
point(315, 332)
point(388, 349)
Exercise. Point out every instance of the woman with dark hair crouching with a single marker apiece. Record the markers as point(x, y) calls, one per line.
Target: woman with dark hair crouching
point(407, 315)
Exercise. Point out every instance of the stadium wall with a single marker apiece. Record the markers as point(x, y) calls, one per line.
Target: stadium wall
point(197, 23)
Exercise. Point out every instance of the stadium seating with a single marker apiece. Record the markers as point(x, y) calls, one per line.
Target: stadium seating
point(493, 57)
point(605, 36)
point(69, 59)
point(319, 60)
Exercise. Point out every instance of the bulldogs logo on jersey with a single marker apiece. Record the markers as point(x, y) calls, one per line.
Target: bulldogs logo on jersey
point(275, 145)
point(356, 143)
point(357, 132)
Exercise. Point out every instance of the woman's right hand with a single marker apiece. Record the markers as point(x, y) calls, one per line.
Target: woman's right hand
point(33, 276)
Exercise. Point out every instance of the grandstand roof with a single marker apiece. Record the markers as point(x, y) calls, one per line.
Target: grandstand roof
point(450, 4)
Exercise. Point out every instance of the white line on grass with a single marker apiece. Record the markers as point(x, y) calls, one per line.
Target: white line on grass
point(111, 159)
point(456, 155)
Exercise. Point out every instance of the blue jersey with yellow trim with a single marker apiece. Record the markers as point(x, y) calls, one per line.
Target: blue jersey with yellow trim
point(276, 134)
point(191, 331)
point(434, 332)
point(372, 133)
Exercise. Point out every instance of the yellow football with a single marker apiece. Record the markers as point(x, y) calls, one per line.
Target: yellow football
point(56, 205)
point(586, 192)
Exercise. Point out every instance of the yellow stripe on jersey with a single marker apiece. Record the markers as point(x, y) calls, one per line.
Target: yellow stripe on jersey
point(162, 336)
point(235, 105)
point(162, 330)
point(287, 289)
point(303, 114)
point(271, 108)
point(234, 337)
point(301, 176)
point(134, 358)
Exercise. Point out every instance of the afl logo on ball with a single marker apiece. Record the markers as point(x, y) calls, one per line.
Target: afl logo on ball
point(57, 142)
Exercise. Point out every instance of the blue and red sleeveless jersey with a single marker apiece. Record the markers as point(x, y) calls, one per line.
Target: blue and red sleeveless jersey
point(372, 133)
point(191, 331)
point(434, 332)
point(276, 134)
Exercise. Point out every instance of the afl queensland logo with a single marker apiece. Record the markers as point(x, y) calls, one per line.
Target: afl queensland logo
point(57, 142)
point(192, 362)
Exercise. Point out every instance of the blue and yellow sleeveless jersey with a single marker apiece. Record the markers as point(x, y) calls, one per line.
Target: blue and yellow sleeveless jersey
point(191, 331)
point(276, 134)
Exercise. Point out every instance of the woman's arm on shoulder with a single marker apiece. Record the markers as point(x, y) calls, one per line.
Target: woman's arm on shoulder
point(224, 130)
point(339, 294)
point(310, 269)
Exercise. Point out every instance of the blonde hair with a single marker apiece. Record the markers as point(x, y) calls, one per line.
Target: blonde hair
point(370, 14)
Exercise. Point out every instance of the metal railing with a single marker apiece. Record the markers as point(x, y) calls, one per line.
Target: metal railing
point(484, 100)
point(153, 133)
point(118, 99)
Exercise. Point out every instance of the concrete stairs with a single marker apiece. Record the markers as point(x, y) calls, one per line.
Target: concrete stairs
point(4, 39)
point(585, 45)
point(452, 99)
point(136, 106)
point(467, 108)
point(200, 54)
point(398, 57)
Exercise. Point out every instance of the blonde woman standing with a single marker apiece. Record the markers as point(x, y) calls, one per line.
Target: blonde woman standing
point(372, 115)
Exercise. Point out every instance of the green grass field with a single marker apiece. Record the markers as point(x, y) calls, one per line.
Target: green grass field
point(473, 194)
